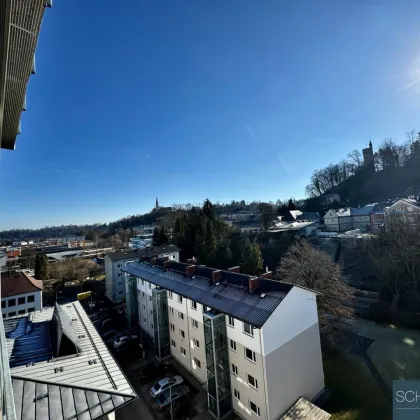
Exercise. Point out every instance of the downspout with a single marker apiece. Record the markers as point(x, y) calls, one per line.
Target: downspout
point(267, 412)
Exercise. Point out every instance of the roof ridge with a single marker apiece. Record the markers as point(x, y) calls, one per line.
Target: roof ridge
point(34, 281)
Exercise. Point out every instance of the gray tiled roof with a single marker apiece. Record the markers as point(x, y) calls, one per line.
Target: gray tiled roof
point(73, 383)
point(230, 295)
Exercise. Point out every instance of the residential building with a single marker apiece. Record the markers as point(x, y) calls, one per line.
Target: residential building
point(240, 215)
point(250, 226)
point(377, 219)
point(308, 216)
point(20, 294)
point(60, 367)
point(338, 220)
point(328, 199)
point(405, 210)
point(362, 217)
point(141, 241)
point(115, 261)
point(252, 342)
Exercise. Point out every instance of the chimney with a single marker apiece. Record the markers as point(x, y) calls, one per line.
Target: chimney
point(253, 283)
point(216, 276)
point(153, 261)
point(190, 270)
point(236, 269)
point(166, 265)
point(267, 275)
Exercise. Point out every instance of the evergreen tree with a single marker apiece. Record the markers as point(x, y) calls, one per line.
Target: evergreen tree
point(163, 237)
point(208, 209)
point(252, 262)
point(155, 237)
point(41, 267)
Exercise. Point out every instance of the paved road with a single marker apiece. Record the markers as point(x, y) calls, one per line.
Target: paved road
point(136, 410)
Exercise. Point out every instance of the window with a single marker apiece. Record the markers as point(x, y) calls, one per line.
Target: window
point(182, 333)
point(11, 302)
point(172, 327)
point(173, 343)
point(196, 343)
point(3, 303)
point(119, 274)
point(142, 282)
point(120, 292)
point(194, 323)
point(21, 301)
point(151, 311)
point(144, 307)
point(170, 294)
point(118, 265)
point(235, 369)
point(171, 310)
point(179, 298)
point(180, 315)
point(144, 319)
point(236, 394)
point(183, 351)
point(22, 311)
point(197, 362)
point(248, 329)
point(250, 355)
point(232, 345)
point(12, 314)
point(31, 309)
point(149, 285)
point(253, 407)
point(231, 321)
point(252, 381)
point(143, 294)
point(151, 326)
point(150, 298)
point(193, 304)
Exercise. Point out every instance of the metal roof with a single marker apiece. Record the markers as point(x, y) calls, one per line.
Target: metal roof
point(20, 22)
point(305, 410)
point(363, 211)
point(68, 387)
point(230, 295)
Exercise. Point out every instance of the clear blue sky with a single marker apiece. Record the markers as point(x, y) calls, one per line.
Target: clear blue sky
point(187, 100)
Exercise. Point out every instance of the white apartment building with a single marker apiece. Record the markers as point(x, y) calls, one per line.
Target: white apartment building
point(406, 211)
point(253, 343)
point(20, 294)
point(115, 261)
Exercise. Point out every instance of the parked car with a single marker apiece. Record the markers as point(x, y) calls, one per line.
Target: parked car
point(118, 335)
point(109, 334)
point(124, 340)
point(164, 384)
point(173, 394)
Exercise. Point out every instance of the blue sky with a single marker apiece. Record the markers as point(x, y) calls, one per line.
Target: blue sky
point(187, 100)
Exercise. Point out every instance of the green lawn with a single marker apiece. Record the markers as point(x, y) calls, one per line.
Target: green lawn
point(355, 395)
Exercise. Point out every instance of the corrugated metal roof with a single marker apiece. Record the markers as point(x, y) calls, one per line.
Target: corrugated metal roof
point(305, 410)
point(93, 370)
point(363, 211)
point(230, 296)
point(144, 252)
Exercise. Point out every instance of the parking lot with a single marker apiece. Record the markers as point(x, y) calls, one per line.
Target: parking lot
point(143, 374)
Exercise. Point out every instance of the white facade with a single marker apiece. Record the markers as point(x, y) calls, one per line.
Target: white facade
point(21, 304)
point(115, 277)
point(270, 368)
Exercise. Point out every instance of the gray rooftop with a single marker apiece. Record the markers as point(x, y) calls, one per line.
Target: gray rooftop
point(83, 382)
point(230, 295)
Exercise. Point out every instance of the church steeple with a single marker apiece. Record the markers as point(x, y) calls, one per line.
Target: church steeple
point(157, 204)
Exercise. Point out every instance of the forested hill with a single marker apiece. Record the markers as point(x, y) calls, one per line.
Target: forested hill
point(394, 171)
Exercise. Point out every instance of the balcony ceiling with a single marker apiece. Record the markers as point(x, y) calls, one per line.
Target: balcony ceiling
point(20, 21)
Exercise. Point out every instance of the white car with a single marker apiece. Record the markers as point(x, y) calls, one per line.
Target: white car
point(164, 384)
point(125, 339)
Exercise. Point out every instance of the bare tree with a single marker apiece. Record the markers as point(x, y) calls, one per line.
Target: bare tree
point(308, 267)
point(393, 257)
point(355, 158)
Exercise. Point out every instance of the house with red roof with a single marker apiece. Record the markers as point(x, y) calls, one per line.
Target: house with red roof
point(20, 294)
